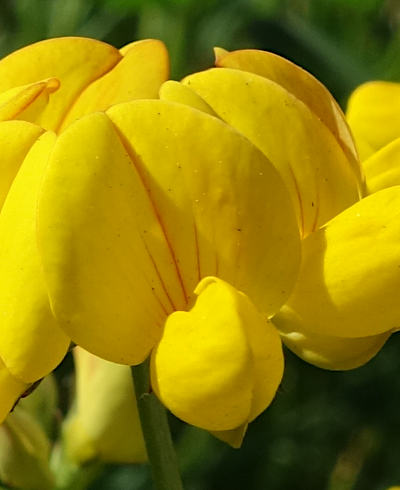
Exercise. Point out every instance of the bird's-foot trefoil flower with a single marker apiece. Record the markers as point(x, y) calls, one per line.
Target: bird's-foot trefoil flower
point(163, 229)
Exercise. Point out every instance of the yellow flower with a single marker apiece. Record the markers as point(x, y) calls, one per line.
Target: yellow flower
point(344, 304)
point(48, 85)
point(161, 226)
point(104, 422)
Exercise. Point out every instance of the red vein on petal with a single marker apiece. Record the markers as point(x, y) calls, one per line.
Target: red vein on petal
point(135, 158)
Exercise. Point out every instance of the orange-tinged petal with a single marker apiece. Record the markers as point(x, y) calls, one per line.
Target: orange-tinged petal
point(31, 343)
point(138, 75)
point(16, 139)
point(302, 85)
point(373, 114)
point(75, 62)
point(326, 351)
point(314, 167)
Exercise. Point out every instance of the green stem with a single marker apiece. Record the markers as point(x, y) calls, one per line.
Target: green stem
point(157, 436)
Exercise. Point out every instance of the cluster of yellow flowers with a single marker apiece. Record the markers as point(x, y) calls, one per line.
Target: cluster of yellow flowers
point(199, 222)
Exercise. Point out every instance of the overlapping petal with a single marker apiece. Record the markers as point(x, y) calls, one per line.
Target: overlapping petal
point(31, 343)
point(164, 196)
point(382, 169)
point(349, 277)
point(316, 170)
point(326, 351)
point(301, 84)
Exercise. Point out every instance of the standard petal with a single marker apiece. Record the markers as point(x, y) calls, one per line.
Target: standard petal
point(28, 102)
point(373, 114)
point(326, 351)
point(319, 176)
point(207, 367)
point(95, 222)
point(350, 274)
point(16, 139)
point(31, 343)
point(177, 92)
point(382, 169)
point(11, 389)
point(138, 75)
point(75, 62)
point(302, 85)
point(224, 210)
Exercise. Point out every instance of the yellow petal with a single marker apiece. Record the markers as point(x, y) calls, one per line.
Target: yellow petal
point(382, 169)
point(373, 114)
point(208, 366)
point(11, 389)
point(31, 343)
point(176, 92)
point(208, 185)
point(326, 351)
point(16, 139)
point(138, 75)
point(75, 62)
point(94, 218)
point(28, 102)
point(319, 176)
point(299, 83)
point(350, 274)
point(105, 423)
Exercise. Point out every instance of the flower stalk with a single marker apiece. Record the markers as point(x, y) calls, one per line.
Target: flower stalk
point(156, 432)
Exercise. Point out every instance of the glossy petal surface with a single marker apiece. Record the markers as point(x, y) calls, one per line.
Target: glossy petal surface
point(302, 85)
point(75, 62)
point(350, 274)
point(138, 75)
point(373, 114)
point(310, 160)
point(31, 343)
point(326, 351)
point(208, 366)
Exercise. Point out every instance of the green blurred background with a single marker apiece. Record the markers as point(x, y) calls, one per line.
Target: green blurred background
point(325, 430)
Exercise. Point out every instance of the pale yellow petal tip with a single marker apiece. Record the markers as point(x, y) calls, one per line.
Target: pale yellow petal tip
point(204, 283)
point(232, 437)
point(219, 54)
